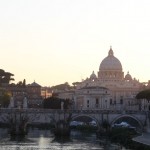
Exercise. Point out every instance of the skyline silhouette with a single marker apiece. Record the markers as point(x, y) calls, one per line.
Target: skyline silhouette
point(54, 42)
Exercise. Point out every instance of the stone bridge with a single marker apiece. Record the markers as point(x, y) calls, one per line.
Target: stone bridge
point(36, 116)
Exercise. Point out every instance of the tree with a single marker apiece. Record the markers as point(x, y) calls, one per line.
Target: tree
point(5, 77)
point(75, 83)
point(55, 103)
point(4, 98)
point(64, 86)
point(145, 94)
point(24, 83)
point(105, 125)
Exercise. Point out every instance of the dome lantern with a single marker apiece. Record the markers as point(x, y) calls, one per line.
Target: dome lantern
point(110, 53)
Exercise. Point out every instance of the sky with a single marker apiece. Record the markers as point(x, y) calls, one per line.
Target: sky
point(56, 41)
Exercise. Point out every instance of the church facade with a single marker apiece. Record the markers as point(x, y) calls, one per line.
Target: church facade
point(109, 89)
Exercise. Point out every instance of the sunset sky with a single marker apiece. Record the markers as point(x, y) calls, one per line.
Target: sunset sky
point(57, 41)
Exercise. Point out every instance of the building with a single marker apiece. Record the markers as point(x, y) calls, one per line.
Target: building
point(92, 97)
point(122, 89)
point(46, 92)
point(32, 92)
point(34, 95)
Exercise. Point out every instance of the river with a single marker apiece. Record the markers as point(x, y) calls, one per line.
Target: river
point(45, 140)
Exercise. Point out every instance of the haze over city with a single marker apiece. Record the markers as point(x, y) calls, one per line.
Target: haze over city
point(59, 41)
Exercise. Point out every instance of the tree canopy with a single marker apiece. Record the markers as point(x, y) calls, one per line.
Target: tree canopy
point(145, 94)
point(4, 98)
point(55, 103)
point(64, 86)
point(5, 77)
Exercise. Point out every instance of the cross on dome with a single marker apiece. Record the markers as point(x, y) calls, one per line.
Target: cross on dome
point(110, 53)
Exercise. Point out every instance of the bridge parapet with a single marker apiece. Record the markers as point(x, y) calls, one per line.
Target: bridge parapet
point(8, 110)
point(45, 115)
point(54, 115)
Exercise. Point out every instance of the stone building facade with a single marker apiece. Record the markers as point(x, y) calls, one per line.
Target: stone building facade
point(121, 88)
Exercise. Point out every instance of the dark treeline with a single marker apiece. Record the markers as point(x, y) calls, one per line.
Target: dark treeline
point(5, 77)
point(4, 98)
point(145, 94)
point(64, 86)
point(55, 103)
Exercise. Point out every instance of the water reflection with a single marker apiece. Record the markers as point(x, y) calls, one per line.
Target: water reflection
point(62, 140)
point(45, 140)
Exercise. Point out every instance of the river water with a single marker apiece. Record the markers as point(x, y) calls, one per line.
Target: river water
point(45, 140)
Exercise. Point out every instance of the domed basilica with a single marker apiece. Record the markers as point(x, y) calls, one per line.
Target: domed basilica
point(109, 89)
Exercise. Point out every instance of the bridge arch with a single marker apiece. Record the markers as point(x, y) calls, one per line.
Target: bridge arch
point(124, 118)
point(86, 116)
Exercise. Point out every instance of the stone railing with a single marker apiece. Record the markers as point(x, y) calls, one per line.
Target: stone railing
point(31, 110)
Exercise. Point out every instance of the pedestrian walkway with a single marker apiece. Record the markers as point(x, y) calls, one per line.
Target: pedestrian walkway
point(144, 139)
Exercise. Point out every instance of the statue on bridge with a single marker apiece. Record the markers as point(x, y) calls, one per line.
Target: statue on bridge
point(25, 103)
point(11, 104)
point(62, 105)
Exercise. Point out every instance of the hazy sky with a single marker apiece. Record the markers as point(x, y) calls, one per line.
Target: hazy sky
point(57, 41)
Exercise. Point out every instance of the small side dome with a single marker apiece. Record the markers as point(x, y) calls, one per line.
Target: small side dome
point(93, 76)
point(128, 77)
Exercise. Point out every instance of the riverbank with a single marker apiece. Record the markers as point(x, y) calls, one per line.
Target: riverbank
point(124, 137)
point(143, 139)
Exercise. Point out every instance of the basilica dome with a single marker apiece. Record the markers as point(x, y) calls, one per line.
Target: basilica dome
point(110, 62)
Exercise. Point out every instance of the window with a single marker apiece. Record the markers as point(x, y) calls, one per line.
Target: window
point(88, 103)
point(129, 103)
point(110, 101)
point(121, 101)
point(97, 102)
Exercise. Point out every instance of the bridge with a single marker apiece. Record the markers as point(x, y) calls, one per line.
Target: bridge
point(35, 116)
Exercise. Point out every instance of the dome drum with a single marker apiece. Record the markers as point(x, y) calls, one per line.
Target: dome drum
point(111, 75)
